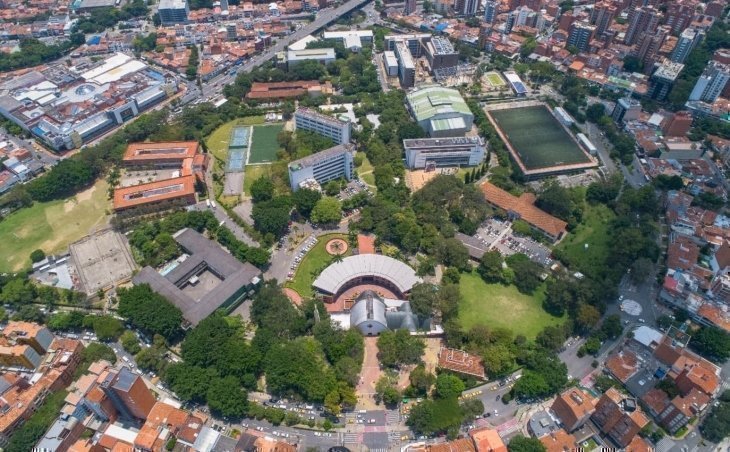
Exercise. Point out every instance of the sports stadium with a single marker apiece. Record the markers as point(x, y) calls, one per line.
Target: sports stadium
point(539, 144)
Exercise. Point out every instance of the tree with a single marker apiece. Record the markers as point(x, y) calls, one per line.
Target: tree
point(421, 380)
point(498, 360)
point(716, 425)
point(305, 200)
point(189, 382)
point(632, 64)
point(453, 253)
point(423, 299)
point(297, 367)
point(37, 256)
point(436, 416)
point(472, 409)
point(712, 343)
point(96, 351)
point(106, 328)
point(587, 317)
point(130, 342)
point(449, 386)
point(226, 398)
point(490, 267)
point(594, 112)
point(386, 391)
point(262, 189)
point(272, 217)
point(640, 270)
point(327, 211)
point(150, 311)
point(66, 321)
point(527, 273)
point(520, 443)
point(398, 347)
point(332, 187)
point(612, 326)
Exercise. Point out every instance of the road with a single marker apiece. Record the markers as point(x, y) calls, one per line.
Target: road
point(47, 158)
point(226, 221)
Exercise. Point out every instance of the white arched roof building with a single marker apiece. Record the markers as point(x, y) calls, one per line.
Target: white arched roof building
point(364, 268)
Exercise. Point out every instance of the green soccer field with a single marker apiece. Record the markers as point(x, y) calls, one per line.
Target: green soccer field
point(264, 145)
point(495, 80)
point(538, 138)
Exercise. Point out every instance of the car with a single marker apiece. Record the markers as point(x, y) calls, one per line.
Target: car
point(487, 414)
point(621, 298)
point(498, 397)
point(642, 321)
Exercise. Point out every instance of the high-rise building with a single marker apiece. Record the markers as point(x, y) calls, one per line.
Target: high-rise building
point(662, 80)
point(580, 35)
point(602, 17)
point(129, 394)
point(679, 15)
point(510, 22)
point(173, 11)
point(410, 7)
point(490, 11)
point(641, 20)
point(522, 14)
point(648, 46)
point(687, 41)
point(467, 7)
point(711, 82)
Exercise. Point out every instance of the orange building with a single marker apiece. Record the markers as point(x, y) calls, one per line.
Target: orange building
point(559, 441)
point(619, 417)
point(487, 440)
point(179, 191)
point(573, 407)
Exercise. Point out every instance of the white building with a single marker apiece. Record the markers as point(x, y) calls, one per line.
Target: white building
point(323, 56)
point(429, 152)
point(339, 131)
point(330, 164)
point(391, 63)
point(563, 116)
point(711, 82)
point(353, 40)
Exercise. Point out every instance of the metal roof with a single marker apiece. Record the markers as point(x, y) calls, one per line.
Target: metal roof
point(434, 100)
point(336, 275)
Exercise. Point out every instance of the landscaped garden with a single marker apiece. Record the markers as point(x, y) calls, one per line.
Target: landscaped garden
point(586, 248)
point(497, 305)
point(316, 260)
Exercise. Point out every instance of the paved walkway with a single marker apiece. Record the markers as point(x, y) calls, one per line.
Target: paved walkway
point(369, 376)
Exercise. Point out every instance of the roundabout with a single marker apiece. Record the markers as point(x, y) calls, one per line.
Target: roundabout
point(336, 247)
point(631, 307)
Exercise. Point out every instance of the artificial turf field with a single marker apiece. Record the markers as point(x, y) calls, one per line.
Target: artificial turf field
point(538, 138)
point(264, 145)
point(495, 80)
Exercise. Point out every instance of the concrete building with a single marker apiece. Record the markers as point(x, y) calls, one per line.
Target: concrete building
point(440, 53)
point(602, 16)
point(440, 111)
point(391, 63)
point(687, 41)
point(626, 109)
point(648, 47)
point(619, 417)
point(155, 196)
point(662, 80)
point(580, 35)
point(466, 7)
point(409, 7)
point(372, 315)
point(322, 56)
point(173, 11)
point(339, 131)
point(322, 167)
point(353, 40)
point(711, 83)
point(432, 152)
point(208, 279)
point(406, 66)
point(573, 408)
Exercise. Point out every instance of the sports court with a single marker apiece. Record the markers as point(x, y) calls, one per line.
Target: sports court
point(264, 144)
point(237, 152)
point(495, 80)
point(537, 141)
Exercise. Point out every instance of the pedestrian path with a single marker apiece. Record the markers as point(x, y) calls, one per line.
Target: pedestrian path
point(392, 417)
point(664, 445)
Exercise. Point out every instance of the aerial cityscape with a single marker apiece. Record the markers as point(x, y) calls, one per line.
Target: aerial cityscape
point(364, 225)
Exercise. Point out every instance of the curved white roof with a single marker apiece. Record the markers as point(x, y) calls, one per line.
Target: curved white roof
point(336, 275)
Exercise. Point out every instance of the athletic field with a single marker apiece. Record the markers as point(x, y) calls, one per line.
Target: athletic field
point(494, 79)
point(264, 145)
point(538, 139)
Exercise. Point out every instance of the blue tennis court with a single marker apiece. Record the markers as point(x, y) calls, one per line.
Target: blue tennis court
point(239, 137)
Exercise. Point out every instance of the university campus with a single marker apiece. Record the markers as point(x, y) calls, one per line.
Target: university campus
point(364, 226)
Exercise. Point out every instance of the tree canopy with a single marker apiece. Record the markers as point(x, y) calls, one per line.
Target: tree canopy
point(150, 311)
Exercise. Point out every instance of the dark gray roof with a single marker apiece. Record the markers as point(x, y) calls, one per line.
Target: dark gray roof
point(311, 160)
point(475, 246)
point(234, 274)
point(125, 380)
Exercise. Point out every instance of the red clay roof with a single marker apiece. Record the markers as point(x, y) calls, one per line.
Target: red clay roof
point(458, 445)
point(572, 406)
point(487, 440)
point(639, 444)
point(278, 90)
point(138, 195)
point(682, 254)
point(622, 365)
point(560, 441)
point(169, 150)
point(461, 362)
point(524, 207)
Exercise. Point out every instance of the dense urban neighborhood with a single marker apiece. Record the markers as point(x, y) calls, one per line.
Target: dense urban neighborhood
point(355, 225)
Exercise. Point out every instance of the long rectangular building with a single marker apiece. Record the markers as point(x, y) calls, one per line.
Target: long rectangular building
point(427, 152)
point(179, 191)
point(322, 167)
point(328, 126)
point(160, 154)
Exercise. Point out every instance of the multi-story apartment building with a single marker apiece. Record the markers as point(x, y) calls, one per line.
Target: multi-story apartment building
point(173, 11)
point(580, 35)
point(322, 167)
point(339, 131)
point(641, 20)
point(687, 41)
point(711, 83)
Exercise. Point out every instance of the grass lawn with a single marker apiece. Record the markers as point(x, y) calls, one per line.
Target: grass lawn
point(51, 226)
point(593, 231)
point(365, 171)
point(264, 145)
point(495, 305)
point(312, 265)
point(252, 120)
point(252, 173)
point(495, 80)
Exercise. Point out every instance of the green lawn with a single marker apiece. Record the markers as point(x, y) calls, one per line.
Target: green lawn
point(312, 265)
point(264, 144)
point(365, 171)
point(252, 120)
point(218, 140)
point(495, 80)
point(593, 232)
point(51, 226)
point(495, 305)
point(253, 172)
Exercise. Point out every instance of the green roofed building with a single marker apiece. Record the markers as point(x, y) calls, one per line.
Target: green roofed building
point(440, 111)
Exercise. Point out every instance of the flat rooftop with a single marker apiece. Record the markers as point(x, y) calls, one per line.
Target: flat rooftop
point(205, 257)
point(321, 117)
point(315, 158)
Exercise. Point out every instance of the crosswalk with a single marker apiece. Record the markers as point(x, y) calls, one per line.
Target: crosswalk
point(664, 445)
point(392, 417)
point(352, 438)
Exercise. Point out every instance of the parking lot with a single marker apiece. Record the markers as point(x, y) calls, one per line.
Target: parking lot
point(497, 234)
point(308, 245)
point(353, 188)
